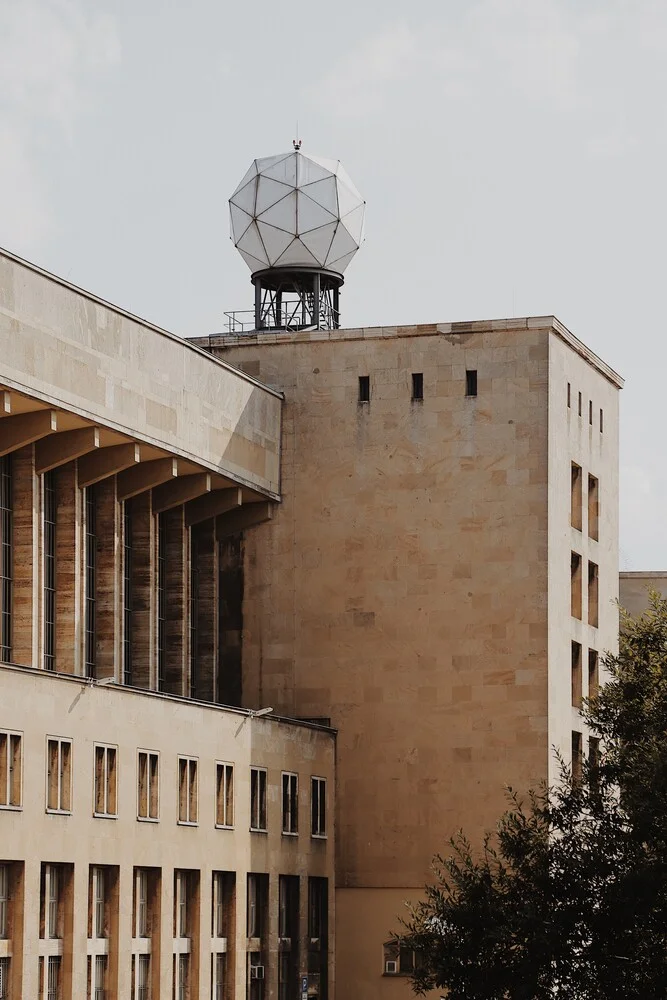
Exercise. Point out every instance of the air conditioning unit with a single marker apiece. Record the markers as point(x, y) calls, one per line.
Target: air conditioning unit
point(257, 972)
point(390, 968)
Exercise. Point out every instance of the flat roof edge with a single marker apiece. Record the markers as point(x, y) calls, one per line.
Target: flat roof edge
point(186, 342)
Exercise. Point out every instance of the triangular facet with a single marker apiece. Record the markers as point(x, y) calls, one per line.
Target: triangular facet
point(341, 245)
point(309, 214)
point(309, 171)
point(284, 170)
point(240, 221)
point(274, 240)
point(266, 162)
point(252, 244)
point(319, 240)
point(245, 197)
point(354, 223)
point(248, 175)
point(329, 165)
point(297, 253)
point(283, 213)
point(347, 200)
point(324, 193)
point(343, 175)
point(268, 193)
point(252, 262)
point(339, 265)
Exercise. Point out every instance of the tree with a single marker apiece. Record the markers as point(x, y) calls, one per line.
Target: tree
point(568, 898)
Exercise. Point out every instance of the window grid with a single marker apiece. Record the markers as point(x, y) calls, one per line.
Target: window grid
point(6, 556)
point(224, 794)
point(53, 978)
point(105, 781)
point(99, 977)
point(187, 790)
point(127, 592)
point(49, 525)
point(258, 799)
point(11, 753)
point(290, 783)
point(91, 580)
point(148, 771)
point(318, 807)
point(161, 600)
point(59, 775)
point(143, 968)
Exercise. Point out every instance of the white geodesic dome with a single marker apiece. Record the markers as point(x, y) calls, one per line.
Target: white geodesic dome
point(297, 210)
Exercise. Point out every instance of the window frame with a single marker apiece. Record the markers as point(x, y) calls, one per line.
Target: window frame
point(9, 805)
point(150, 783)
point(107, 788)
point(191, 764)
point(60, 741)
point(321, 832)
point(258, 770)
point(228, 794)
point(291, 812)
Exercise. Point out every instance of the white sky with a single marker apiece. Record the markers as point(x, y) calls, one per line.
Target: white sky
point(513, 155)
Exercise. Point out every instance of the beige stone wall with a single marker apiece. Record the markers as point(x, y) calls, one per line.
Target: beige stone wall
point(63, 346)
point(635, 587)
point(39, 704)
point(407, 586)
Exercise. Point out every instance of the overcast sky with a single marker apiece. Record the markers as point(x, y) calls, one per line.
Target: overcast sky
point(513, 154)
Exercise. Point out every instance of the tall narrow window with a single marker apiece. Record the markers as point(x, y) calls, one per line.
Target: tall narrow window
point(224, 794)
point(49, 535)
point(218, 961)
point(257, 920)
point(58, 775)
point(288, 936)
point(290, 803)
point(575, 585)
point(364, 388)
point(187, 790)
point(590, 412)
point(579, 405)
point(593, 676)
point(194, 611)
point(147, 785)
point(575, 495)
point(417, 386)
point(182, 900)
point(142, 976)
point(127, 592)
point(576, 758)
point(97, 923)
point(182, 975)
point(98, 976)
point(91, 578)
point(258, 799)
point(4, 979)
point(105, 781)
point(471, 382)
point(53, 977)
point(318, 807)
point(576, 675)
point(569, 394)
point(4, 902)
point(593, 508)
point(51, 902)
point(161, 600)
point(6, 556)
point(601, 421)
point(593, 594)
point(318, 935)
point(11, 761)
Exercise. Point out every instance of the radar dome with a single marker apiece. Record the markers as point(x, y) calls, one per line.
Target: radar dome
point(297, 211)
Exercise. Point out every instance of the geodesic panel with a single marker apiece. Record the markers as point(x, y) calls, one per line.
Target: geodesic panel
point(297, 210)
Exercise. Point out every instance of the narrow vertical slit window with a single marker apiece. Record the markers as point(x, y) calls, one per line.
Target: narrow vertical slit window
point(471, 382)
point(575, 495)
point(127, 592)
point(590, 412)
point(11, 764)
point(593, 589)
point(575, 585)
point(601, 421)
point(91, 579)
point(49, 536)
point(417, 386)
point(576, 675)
point(4, 902)
point(224, 794)
point(318, 807)
point(6, 555)
point(58, 775)
point(364, 388)
point(579, 405)
point(593, 508)
point(593, 674)
point(569, 395)
point(161, 600)
point(576, 758)
point(258, 799)
point(290, 803)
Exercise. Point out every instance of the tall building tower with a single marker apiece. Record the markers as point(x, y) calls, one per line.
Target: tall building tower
point(438, 583)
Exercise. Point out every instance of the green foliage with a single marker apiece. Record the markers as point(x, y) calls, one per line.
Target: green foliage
point(568, 898)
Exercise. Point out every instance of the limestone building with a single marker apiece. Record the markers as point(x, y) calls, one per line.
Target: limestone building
point(438, 583)
point(153, 843)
